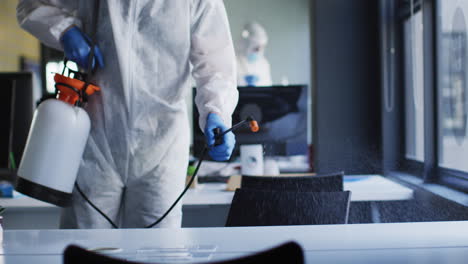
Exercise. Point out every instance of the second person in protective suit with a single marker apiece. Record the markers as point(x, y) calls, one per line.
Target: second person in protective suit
point(253, 68)
point(135, 161)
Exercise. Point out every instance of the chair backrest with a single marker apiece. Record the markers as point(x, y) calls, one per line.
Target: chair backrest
point(319, 183)
point(289, 252)
point(267, 208)
point(77, 255)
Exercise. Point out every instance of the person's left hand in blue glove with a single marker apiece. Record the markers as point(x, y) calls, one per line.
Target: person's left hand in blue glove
point(77, 47)
point(223, 151)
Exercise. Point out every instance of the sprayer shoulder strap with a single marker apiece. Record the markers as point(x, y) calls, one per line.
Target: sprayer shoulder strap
point(90, 71)
point(94, 23)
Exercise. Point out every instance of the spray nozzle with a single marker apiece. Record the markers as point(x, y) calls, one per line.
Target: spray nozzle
point(253, 124)
point(219, 136)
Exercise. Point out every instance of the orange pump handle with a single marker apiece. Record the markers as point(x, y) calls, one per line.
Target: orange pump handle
point(69, 88)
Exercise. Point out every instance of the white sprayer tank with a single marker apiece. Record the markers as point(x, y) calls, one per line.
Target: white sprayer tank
point(53, 152)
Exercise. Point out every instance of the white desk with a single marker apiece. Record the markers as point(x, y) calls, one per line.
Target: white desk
point(430, 242)
point(363, 188)
point(23, 210)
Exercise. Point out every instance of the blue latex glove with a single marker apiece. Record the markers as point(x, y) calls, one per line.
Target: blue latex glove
point(77, 46)
point(221, 152)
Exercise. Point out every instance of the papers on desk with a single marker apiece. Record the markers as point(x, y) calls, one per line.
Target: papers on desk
point(15, 194)
point(296, 163)
point(176, 254)
point(351, 178)
point(223, 169)
point(182, 253)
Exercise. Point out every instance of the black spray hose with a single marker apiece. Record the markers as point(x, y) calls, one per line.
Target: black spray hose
point(94, 206)
point(184, 191)
point(218, 141)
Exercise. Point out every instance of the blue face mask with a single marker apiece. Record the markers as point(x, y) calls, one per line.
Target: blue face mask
point(251, 80)
point(252, 57)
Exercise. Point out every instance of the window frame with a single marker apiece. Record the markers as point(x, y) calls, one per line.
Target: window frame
point(429, 170)
point(404, 13)
point(453, 178)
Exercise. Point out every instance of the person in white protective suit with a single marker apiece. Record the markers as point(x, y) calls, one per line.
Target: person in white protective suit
point(136, 158)
point(253, 68)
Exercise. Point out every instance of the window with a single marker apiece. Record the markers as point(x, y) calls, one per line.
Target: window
point(452, 88)
point(430, 135)
point(414, 87)
point(53, 67)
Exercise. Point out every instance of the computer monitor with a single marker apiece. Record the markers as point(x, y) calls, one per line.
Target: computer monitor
point(282, 114)
point(16, 111)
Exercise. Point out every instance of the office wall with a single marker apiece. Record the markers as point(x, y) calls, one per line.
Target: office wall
point(288, 27)
point(14, 42)
point(347, 121)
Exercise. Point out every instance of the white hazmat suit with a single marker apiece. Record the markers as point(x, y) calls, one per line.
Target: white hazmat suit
point(135, 161)
point(253, 68)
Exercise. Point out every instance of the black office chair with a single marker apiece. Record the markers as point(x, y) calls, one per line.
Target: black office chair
point(268, 208)
point(320, 183)
point(289, 252)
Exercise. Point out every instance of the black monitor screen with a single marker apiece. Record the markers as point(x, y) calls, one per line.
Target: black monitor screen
point(282, 114)
point(16, 111)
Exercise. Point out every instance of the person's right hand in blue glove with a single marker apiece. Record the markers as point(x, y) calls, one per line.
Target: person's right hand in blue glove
point(223, 151)
point(77, 47)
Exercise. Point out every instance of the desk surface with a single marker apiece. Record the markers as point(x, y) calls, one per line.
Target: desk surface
point(429, 242)
point(363, 188)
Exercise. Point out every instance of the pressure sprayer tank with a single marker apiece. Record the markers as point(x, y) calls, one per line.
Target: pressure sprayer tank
point(56, 141)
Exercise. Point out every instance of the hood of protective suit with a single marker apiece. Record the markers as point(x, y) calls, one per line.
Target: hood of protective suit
point(253, 40)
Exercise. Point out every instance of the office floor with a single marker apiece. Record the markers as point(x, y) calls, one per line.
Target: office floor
point(424, 207)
